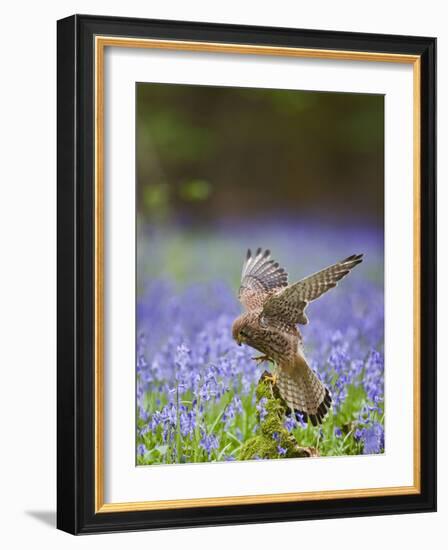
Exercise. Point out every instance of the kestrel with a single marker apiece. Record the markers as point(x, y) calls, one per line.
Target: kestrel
point(269, 324)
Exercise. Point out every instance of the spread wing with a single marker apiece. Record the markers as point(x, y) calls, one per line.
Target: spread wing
point(289, 304)
point(260, 277)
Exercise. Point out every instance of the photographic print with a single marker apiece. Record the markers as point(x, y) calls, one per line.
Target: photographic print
point(246, 288)
point(260, 284)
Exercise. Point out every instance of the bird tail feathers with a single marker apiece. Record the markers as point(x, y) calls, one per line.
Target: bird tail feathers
point(303, 391)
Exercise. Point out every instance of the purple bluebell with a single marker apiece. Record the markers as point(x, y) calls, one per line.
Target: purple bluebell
point(289, 423)
point(373, 439)
point(209, 443)
point(141, 450)
point(261, 408)
point(195, 388)
point(281, 450)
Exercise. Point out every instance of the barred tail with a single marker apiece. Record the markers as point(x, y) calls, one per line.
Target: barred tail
point(303, 391)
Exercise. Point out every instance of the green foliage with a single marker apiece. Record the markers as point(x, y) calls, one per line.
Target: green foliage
point(315, 148)
point(195, 190)
point(257, 438)
point(273, 439)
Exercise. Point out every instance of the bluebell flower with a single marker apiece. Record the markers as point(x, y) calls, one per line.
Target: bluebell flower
point(141, 450)
point(190, 371)
point(373, 439)
point(290, 423)
point(209, 443)
point(233, 409)
point(261, 408)
point(300, 419)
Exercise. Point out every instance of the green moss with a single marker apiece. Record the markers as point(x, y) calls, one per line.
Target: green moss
point(272, 436)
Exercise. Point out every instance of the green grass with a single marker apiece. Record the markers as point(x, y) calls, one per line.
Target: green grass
point(246, 424)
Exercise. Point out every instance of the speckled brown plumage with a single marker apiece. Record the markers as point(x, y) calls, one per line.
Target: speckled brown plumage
point(269, 324)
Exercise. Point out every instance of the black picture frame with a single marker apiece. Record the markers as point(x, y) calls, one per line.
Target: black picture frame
point(76, 272)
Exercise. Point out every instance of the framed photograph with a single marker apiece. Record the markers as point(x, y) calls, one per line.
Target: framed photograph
point(246, 274)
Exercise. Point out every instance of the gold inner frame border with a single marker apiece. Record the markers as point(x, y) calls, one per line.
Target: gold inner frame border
point(101, 42)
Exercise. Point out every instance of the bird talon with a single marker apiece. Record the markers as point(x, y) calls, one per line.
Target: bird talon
point(272, 378)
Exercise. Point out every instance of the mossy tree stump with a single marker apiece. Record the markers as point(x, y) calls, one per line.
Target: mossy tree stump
point(272, 440)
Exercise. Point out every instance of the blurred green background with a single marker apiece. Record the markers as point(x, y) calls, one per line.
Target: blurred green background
point(208, 153)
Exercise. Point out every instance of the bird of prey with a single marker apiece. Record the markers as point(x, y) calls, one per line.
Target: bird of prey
point(274, 308)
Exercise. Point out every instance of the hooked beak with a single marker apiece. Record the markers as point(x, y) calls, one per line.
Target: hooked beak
point(239, 339)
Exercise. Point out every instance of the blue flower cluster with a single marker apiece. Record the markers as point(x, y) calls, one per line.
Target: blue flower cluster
point(196, 387)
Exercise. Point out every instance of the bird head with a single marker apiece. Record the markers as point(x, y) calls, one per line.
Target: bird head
point(239, 330)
